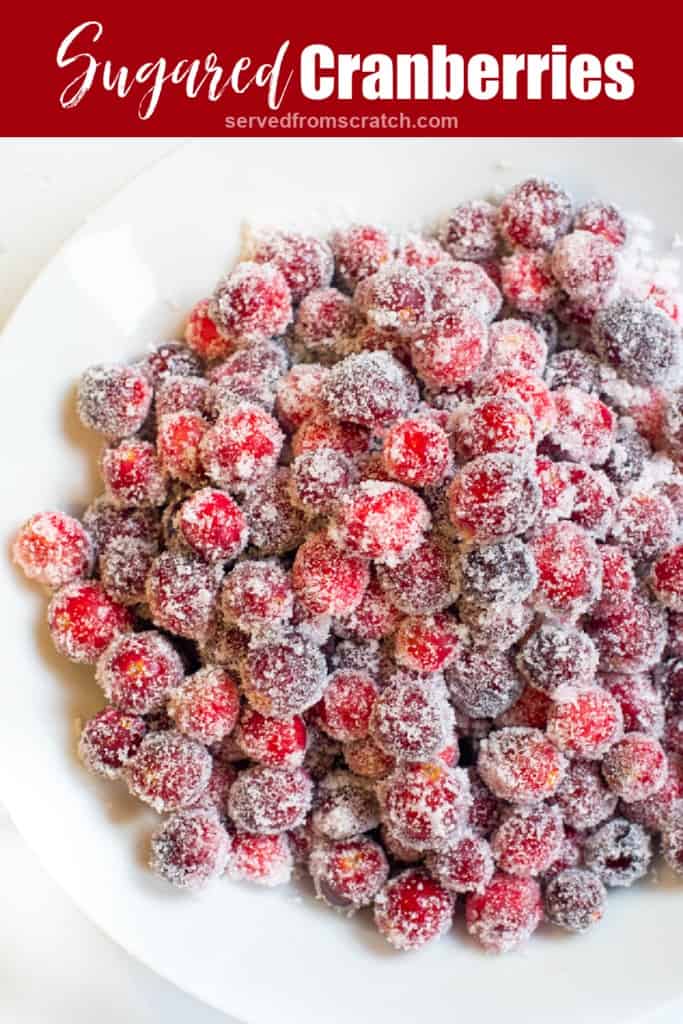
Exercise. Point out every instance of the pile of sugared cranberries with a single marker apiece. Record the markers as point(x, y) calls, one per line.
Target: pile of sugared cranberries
point(386, 580)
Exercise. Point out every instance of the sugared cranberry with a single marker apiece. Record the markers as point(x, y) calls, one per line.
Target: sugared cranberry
point(528, 840)
point(505, 914)
point(270, 800)
point(346, 806)
point(139, 671)
point(646, 524)
point(213, 525)
point(425, 803)
point(503, 572)
point(284, 677)
point(182, 591)
point(636, 767)
point(256, 594)
point(630, 634)
point(466, 865)
point(83, 620)
point(641, 704)
point(463, 285)
point(275, 524)
point(365, 758)
point(114, 400)
point(602, 219)
point(482, 684)
point(420, 252)
point(666, 578)
point(206, 705)
point(412, 910)
point(595, 499)
point(449, 351)
point(190, 849)
point(520, 765)
point(585, 266)
point(495, 626)
point(274, 743)
point(53, 549)
point(170, 359)
point(493, 497)
point(555, 656)
point(325, 320)
point(326, 579)
point(359, 251)
point(585, 428)
point(557, 491)
point(374, 618)
point(411, 718)
point(493, 425)
point(531, 392)
point(178, 440)
point(516, 345)
point(575, 899)
point(618, 577)
point(252, 303)
point(241, 448)
point(585, 722)
point(202, 335)
point(471, 231)
point(427, 643)
point(371, 389)
point(398, 297)
point(672, 840)
point(535, 213)
point(265, 860)
point(109, 739)
point(348, 875)
point(304, 261)
point(619, 852)
point(319, 478)
point(298, 394)
point(417, 452)
point(527, 281)
point(179, 394)
point(133, 474)
point(169, 771)
point(638, 340)
point(583, 797)
point(424, 583)
point(530, 709)
point(569, 570)
point(345, 709)
point(380, 520)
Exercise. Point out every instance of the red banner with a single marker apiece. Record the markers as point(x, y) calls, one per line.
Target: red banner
point(523, 69)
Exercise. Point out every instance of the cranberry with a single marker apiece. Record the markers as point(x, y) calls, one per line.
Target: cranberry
point(585, 722)
point(516, 345)
point(206, 705)
point(574, 368)
point(555, 656)
point(182, 591)
point(630, 635)
point(427, 643)
point(417, 452)
point(636, 767)
point(466, 865)
point(520, 765)
point(557, 492)
point(380, 520)
point(53, 549)
point(482, 683)
point(493, 497)
point(203, 337)
point(505, 914)
point(583, 797)
point(345, 709)
point(464, 285)
point(270, 800)
point(575, 899)
point(298, 394)
point(371, 389)
point(256, 595)
point(325, 320)
point(530, 390)
point(449, 351)
point(569, 570)
point(530, 709)
point(425, 803)
point(411, 718)
point(503, 572)
point(646, 524)
point(535, 213)
point(109, 739)
point(190, 849)
point(493, 425)
point(348, 875)
point(585, 266)
point(179, 437)
point(114, 400)
point(169, 771)
point(252, 303)
point(672, 840)
point(413, 909)
point(265, 860)
point(170, 359)
point(276, 744)
point(666, 579)
point(528, 840)
point(284, 677)
point(527, 281)
point(139, 671)
point(180, 394)
point(327, 580)
point(420, 252)
point(374, 618)
point(595, 499)
point(424, 583)
point(241, 448)
point(359, 251)
point(471, 231)
point(105, 523)
point(638, 340)
point(275, 524)
point(365, 758)
point(602, 219)
point(304, 261)
point(619, 852)
point(83, 620)
point(319, 478)
point(495, 626)
point(398, 297)
point(346, 806)
point(641, 704)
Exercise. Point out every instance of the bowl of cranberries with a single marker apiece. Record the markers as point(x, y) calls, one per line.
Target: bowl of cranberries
point(373, 628)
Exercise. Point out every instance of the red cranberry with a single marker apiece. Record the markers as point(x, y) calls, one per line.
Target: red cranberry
point(169, 771)
point(170, 359)
point(346, 806)
point(528, 840)
point(359, 251)
point(275, 524)
point(471, 231)
point(448, 352)
point(182, 592)
point(284, 677)
point(139, 671)
point(520, 765)
point(319, 478)
point(424, 583)
point(327, 580)
point(535, 213)
point(638, 340)
point(109, 739)
point(583, 797)
point(178, 440)
point(202, 335)
point(641, 704)
point(276, 744)
point(417, 452)
point(646, 524)
point(482, 683)
point(114, 400)
point(380, 520)
point(516, 345)
point(83, 620)
point(555, 656)
point(530, 390)
point(348, 875)
point(602, 219)
point(398, 297)
point(493, 497)
point(585, 266)
point(463, 285)
point(636, 767)
point(270, 800)
point(585, 722)
point(427, 643)
point(466, 865)
point(256, 595)
point(206, 705)
point(345, 709)
point(366, 759)
point(527, 281)
point(425, 804)
point(630, 635)
point(252, 303)
point(53, 549)
point(595, 499)
point(304, 261)
point(242, 447)
point(190, 849)
point(298, 394)
point(325, 320)
point(493, 425)
point(569, 570)
point(575, 900)
point(374, 618)
point(265, 860)
point(412, 718)
point(505, 914)
point(412, 910)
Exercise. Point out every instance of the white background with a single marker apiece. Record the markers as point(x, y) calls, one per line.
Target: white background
point(55, 967)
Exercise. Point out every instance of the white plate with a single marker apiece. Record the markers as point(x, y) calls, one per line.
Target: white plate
point(122, 282)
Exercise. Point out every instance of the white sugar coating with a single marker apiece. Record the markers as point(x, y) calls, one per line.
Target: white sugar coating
point(425, 804)
point(520, 764)
point(646, 524)
point(242, 448)
point(83, 620)
point(263, 860)
point(467, 865)
point(124, 566)
point(319, 478)
point(639, 341)
point(570, 571)
point(495, 626)
point(370, 388)
point(306, 262)
point(619, 853)
point(380, 520)
point(556, 655)
point(574, 368)
point(470, 231)
point(176, 393)
point(257, 594)
point(528, 839)
point(53, 549)
point(346, 806)
point(325, 320)
point(462, 284)
point(108, 740)
point(397, 297)
point(239, 302)
point(182, 593)
point(190, 849)
point(534, 213)
point(412, 719)
point(425, 583)
point(284, 677)
point(483, 684)
point(139, 671)
point(504, 572)
point(348, 875)
point(276, 526)
point(630, 638)
point(270, 800)
point(583, 796)
point(516, 344)
point(585, 428)
point(169, 771)
point(494, 497)
point(575, 899)
point(424, 916)
point(113, 399)
point(585, 265)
